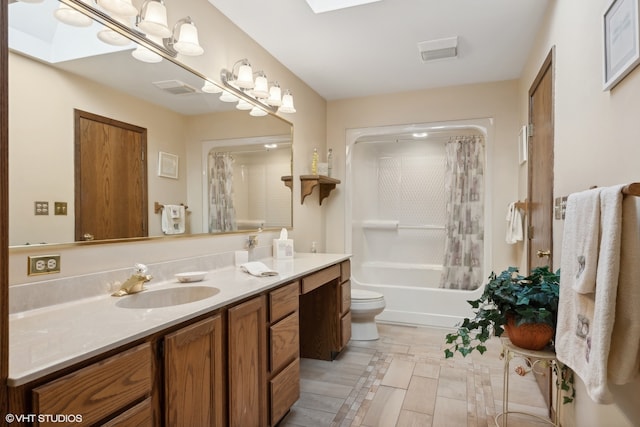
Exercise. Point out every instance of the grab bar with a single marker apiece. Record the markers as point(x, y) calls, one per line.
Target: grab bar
point(422, 227)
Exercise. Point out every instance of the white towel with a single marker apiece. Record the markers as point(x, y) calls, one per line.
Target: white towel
point(624, 356)
point(585, 234)
point(585, 321)
point(173, 219)
point(258, 269)
point(515, 232)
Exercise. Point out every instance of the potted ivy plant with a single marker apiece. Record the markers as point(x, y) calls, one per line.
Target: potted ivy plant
point(525, 307)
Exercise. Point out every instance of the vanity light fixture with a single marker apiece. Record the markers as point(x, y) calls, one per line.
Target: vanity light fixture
point(118, 7)
point(228, 97)
point(275, 95)
point(209, 87)
point(70, 16)
point(244, 105)
point(287, 103)
point(112, 37)
point(184, 38)
point(243, 77)
point(239, 81)
point(144, 54)
point(261, 88)
point(152, 19)
point(257, 112)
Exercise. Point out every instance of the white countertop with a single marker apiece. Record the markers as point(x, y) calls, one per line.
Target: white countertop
point(45, 340)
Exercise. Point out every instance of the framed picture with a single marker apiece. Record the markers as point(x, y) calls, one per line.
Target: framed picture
point(621, 40)
point(523, 145)
point(168, 165)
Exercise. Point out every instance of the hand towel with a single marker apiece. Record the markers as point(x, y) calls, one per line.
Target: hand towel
point(586, 320)
point(257, 269)
point(173, 219)
point(624, 356)
point(515, 232)
point(585, 234)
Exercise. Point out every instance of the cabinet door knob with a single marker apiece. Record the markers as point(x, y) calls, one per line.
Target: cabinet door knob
point(542, 254)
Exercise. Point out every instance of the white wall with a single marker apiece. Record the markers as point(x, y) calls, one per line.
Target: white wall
point(596, 143)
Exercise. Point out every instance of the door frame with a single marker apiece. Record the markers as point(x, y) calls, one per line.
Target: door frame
point(545, 382)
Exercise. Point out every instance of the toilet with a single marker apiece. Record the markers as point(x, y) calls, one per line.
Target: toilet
point(365, 306)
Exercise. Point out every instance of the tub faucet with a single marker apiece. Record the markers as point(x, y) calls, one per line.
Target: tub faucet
point(134, 284)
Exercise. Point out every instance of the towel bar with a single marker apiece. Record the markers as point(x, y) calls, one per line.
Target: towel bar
point(157, 207)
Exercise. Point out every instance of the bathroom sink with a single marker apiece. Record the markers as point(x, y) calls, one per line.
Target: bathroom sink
point(167, 297)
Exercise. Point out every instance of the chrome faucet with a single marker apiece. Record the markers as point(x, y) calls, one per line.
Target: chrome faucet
point(134, 284)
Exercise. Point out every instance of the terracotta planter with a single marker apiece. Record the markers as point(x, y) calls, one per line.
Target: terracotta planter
point(530, 336)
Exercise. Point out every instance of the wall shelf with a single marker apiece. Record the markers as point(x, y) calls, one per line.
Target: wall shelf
point(288, 181)
point(309, 182)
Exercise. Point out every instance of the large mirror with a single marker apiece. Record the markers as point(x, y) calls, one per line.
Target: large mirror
point(57, 71)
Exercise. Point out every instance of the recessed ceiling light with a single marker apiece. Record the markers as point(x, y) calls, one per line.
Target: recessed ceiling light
point(320, 6)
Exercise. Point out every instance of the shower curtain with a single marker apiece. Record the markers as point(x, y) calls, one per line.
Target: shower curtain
point(222, 214)
point(464, 189)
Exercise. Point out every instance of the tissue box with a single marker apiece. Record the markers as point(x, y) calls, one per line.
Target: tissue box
point(283, 248)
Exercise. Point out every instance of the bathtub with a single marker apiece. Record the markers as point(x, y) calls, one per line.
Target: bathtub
point(412, 293)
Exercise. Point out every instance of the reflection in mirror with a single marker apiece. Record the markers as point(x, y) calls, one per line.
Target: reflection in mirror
point(55, 69)
point(245, 186)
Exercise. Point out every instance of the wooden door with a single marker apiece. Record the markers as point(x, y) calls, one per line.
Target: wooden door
point(247, 364)
point(194, 375)
point(111, 178)
point(540, 170)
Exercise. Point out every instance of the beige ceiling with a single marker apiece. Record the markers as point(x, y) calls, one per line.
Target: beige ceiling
point(373, 48)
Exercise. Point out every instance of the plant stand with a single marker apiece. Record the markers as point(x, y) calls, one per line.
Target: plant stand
point(534, 359)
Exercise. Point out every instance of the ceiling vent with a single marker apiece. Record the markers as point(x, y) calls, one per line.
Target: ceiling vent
point(175, 87)
point(433, 50)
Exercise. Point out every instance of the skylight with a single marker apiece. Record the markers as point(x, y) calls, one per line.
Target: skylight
point(320, 6)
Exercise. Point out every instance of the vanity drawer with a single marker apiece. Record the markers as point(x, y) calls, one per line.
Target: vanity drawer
point(139, 415)
point(345, 270)
point(345, 302)
point(285, 341)
point(345, 327)
point(322, 277)
point(284, 390)
point(101, 389)
point(283, 301)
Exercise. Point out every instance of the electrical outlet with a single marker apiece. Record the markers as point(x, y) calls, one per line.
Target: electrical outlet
point(41, 208)
point(43, 264)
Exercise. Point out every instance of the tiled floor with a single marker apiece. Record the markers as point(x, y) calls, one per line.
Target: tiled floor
point(403, 379)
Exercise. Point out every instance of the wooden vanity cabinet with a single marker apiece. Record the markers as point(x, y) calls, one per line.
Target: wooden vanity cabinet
point(237, 366)
point(101, 391)
point(247, 364)
point(325, 312)
point(194, 375)
point(345, 303)
point(284, 350)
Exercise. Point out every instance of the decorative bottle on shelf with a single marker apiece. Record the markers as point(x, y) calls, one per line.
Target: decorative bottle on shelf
point(329, 162)
point(314, 162)
point(314, 248)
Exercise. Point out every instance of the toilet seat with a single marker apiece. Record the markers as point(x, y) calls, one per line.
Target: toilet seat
point(361, 295)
